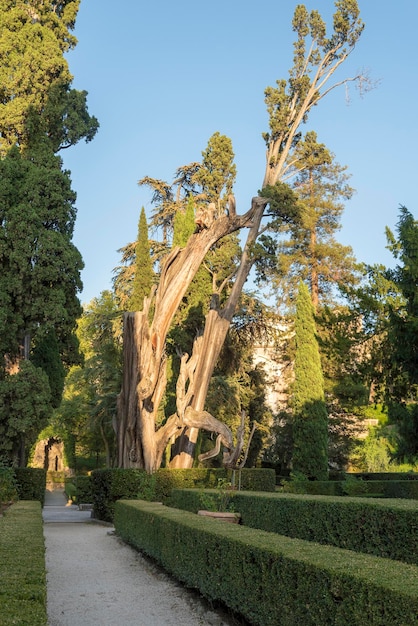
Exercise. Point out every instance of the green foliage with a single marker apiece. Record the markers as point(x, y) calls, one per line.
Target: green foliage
point(37, 100)
point(83, 488)
point(217, 173)
point(385, 308)
point(110, 485)
point(403, 319)
point(407, 489)
point(143, 272)
point(89, 400)
point(22, 566)
point(70, 490)
point(79, 489)
point(308, 249)
point(405, 418)
point(221, 499)
point(39, 265)
point(372, 454)
point(25, 406)
point(31, 483)
point(45, 355)
point(268, 578)
point(316, 58)
point(310, 419)
point(8, 491)
point(385, 528)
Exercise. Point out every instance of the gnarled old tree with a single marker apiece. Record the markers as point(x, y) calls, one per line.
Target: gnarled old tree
point(141, 443)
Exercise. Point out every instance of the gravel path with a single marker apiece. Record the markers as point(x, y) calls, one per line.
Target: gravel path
point(93, 578)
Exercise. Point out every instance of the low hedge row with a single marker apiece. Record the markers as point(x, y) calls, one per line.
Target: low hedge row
point(22, 566)
point(384, 475)
point(385, 528)
point(110, 485)
point(8, 489)
point(270, 579)
point(407, 489)
point(31, 483)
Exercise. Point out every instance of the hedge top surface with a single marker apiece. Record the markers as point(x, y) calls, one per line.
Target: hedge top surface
point(392, 575)
point(393, 503)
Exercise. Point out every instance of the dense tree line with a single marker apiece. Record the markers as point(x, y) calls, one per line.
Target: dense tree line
point(185, 388)
point(40, 267)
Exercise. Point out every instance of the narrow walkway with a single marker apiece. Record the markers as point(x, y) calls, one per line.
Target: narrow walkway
point(94, 578)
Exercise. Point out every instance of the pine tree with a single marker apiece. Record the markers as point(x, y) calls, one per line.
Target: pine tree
point(310, 251)
point(310, 420)
point(143, 272)
point(184, 224)
point(36, 96)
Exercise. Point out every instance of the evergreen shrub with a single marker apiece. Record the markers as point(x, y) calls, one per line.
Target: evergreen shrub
point(22, 566)
point(270, 579)
point(384, 475)
point(8, 491)
point(83, 488)
point(70, 490)
point(111, 485)
point(384, 528)
point(31, 483)
point(355, 487)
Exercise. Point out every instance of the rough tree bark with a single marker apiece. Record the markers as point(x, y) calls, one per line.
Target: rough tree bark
point(141, 442)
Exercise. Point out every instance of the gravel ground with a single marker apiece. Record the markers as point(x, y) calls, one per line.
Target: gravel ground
point(93, 578)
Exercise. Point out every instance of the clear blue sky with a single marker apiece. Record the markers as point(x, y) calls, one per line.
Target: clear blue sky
point(162, 77)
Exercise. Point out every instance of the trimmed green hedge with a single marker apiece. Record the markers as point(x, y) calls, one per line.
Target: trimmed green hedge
point(384, 475)
point(386, 528)
point(31, 483)
point(8, 490)
point(79, 489)
point(355, 487)
point(22, 566)
point(84, 489)
point(269, 579)
point(110, 485)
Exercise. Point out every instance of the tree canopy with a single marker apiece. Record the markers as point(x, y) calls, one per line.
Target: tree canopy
point(40, 267)
point(140, 442)
point(35, 79)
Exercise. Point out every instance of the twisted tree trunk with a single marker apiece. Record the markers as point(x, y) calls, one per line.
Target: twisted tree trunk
point(141, 441)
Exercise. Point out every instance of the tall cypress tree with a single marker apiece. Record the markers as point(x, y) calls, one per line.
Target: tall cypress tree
point(143, 274)
point(310, 422)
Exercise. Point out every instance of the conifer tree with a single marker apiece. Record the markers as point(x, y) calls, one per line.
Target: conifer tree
point(310, 420)
point(143, 273)
point(308, 249)
point(40, 267)
point(36, 94)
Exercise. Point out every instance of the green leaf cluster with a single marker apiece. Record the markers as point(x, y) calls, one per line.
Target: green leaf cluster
point(310, 420)
point(40, 266)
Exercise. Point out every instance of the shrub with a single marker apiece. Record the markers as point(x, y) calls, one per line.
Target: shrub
point(355, 487)
point(31, 483)
point(111, 485)
point(70, 490)
point(387, 528)
point(83, 488)
point(22, 566)
point(269, 579)
point(8, 491)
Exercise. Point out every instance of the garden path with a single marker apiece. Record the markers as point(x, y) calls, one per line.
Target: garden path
point(94, 578)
